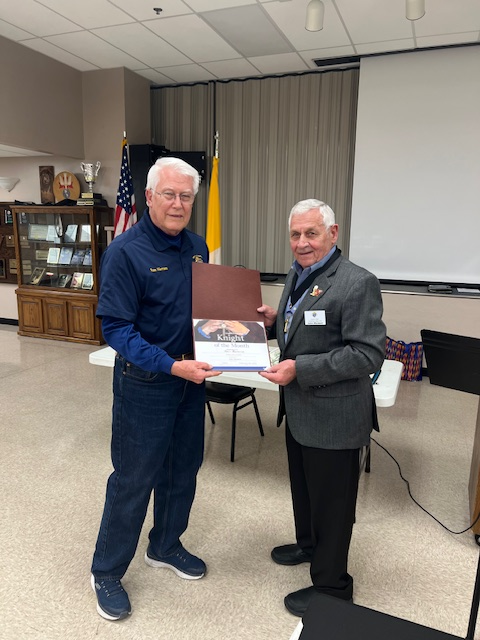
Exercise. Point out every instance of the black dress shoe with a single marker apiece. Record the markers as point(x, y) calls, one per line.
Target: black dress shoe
point(298, 601)
point(290, 554)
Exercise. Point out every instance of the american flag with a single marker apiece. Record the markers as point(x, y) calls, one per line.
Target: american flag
point(125, 211)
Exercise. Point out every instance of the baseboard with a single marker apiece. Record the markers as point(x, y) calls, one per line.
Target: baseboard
point(9, 321)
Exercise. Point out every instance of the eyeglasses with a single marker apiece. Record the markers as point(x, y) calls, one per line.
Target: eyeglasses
point(186, 198)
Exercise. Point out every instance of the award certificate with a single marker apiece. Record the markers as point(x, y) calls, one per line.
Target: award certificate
point(231, 345)
point(233, 338)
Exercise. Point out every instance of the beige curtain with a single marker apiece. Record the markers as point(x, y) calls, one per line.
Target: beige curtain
point(182, 120)
point(281, 140)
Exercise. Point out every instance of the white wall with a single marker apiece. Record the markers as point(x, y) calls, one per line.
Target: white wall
point(415, 209)
point(405, 315)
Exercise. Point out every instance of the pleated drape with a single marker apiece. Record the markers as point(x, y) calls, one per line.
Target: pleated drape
point(282, 139)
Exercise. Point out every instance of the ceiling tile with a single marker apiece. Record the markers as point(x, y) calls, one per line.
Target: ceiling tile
point(228, 38)
point(188, 73)
point(143, 9)
point(50, 50)
point(447, 39)
point(375, 20)
point(232, 69)
point(90, 13)
point(142, 44)
point(212, 5)
point(449, 17)
point(282, 63)
point(381, 47)
point(13, 33)
point(40, 20)
point(290, 17)
point(155, 76)
point(199, 41)
point(249, 30)
point(86, 45)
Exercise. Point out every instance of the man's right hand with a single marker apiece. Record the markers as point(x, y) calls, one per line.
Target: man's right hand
point(193, 370)
point(269, 313)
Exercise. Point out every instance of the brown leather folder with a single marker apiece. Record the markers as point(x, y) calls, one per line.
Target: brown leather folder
point(225, 293)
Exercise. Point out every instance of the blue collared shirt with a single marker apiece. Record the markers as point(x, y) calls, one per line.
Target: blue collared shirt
point(302, 276)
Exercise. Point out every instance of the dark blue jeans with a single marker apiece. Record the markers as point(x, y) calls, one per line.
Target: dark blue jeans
point(157, 445)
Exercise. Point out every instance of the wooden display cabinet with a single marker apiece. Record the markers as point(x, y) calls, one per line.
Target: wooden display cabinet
point(58, 252)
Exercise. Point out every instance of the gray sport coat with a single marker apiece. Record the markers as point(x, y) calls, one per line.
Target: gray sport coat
point(330, 404)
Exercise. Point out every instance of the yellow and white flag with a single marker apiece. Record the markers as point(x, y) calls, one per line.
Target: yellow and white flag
point(214, 223)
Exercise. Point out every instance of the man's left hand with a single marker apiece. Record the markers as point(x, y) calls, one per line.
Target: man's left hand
point(282, 373)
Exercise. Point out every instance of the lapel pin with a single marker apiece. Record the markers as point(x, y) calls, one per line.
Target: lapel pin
point(315, 291)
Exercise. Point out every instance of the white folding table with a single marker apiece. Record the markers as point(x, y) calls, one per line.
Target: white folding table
point(385, 388)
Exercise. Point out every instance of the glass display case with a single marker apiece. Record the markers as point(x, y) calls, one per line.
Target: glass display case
point(58, 252)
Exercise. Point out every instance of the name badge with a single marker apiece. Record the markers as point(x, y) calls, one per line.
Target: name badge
point(315, 317)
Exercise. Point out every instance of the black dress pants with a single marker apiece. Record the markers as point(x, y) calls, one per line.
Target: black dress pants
point(324, 484)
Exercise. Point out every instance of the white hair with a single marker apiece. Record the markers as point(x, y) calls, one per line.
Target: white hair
point(306, 205)
point(178, 165)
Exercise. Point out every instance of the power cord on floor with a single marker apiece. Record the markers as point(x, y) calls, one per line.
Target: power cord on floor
point(457, 533)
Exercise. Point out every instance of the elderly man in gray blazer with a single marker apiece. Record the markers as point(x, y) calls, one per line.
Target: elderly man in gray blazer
point(331, 337)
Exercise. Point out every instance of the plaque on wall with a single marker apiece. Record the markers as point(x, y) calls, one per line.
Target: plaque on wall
point(46, 184)
point(27, 267)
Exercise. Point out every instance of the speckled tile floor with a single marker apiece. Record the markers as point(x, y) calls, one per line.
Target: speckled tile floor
point(54, 462)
